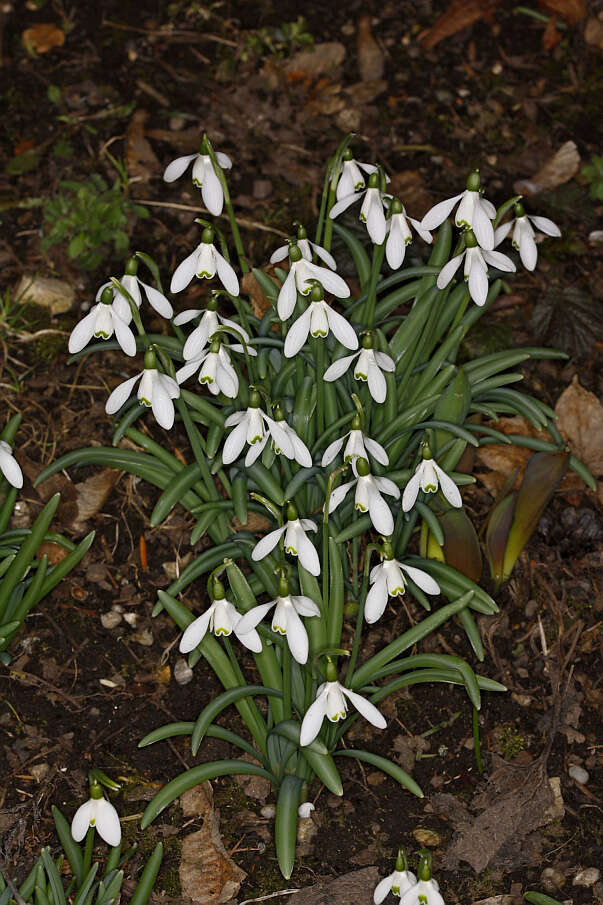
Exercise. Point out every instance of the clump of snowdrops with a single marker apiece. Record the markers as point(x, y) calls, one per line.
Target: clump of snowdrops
point(338, 418)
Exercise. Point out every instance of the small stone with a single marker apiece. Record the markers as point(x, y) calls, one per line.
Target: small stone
point(40, 772)
point(531, 608)
point(177, 123)
point(57, 295)
point(427, 837)
point(110, 620)
point(144, 637)
point(131, 619)
point(579, 774)
point(587, 877)
point(182, 672)
point(552, 879)
point(262, 188)
point(524, 700)
point(268, 811)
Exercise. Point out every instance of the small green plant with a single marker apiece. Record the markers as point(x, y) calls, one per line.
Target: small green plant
point(24, 579)
point(280, 41)
point(593, 173)
point(88, 216)
point(510, 742)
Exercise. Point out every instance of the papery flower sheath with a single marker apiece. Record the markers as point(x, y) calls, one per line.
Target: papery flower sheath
point(296, 541)
point(476, 269)
point(204, 177)
point(428, 477)
point(156, 391)
point(474, 212)
point(368, 496)
point(9, 466)
point(205, 262)
point(286, 619)
point(99, 813)
point(102, 321)
point(523, 234)
point(221, 618)
point(301, 277)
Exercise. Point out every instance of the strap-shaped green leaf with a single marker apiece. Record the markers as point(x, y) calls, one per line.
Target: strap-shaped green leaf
point(285, 826)
point(386, 766)
point(146, 883)
point(219, 703)
point(324, 767)
point(290, 730)
point(173, 730)
point(359, 255)
point(173, 493)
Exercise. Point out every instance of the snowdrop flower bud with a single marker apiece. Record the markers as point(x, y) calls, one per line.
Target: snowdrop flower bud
point(523, 234)
point(204, 177)
point(102, 321)
point(99, 813)
point(9, 466)
point(400, 881)
point(428, 477)
point(473, 212)
point(305, 810)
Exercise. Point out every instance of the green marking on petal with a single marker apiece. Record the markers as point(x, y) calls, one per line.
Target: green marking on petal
point(144, 401)
point(100, 334)
point(429, 488)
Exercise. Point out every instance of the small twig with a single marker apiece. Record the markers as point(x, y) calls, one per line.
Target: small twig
point(271, 895)
point(250, 224)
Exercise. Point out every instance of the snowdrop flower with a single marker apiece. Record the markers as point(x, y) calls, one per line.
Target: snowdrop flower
point(400, 235)
point(204, 262)
point(286, 619)
point(368, 496)
point(523, 234)
point(371, 212)
point(301, 277)
point(356, 447)
point(331, 703)
point(99, 813)
point(318, 319)
point(428, 477)
point(426, 890)
point(221, 618)
point(398, 882)
point(132, 284)
point(102, 321)
point(307, 248)
point(254, 427)
point(351, 179)
point(296, 543)
point(476, 270)
point(9, 466)
point(473, 212)
point(205, 329)
point(204, 177)
point(305, 809)
point(215, 369)
point(368, 368)
point(387, 580)
point(156, 391)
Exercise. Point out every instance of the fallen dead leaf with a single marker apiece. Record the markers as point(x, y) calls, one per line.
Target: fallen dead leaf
point(559, 168)
point(460, 14)
point(92, 493)
point(371, 64)
point(55, 553)
point(573, 11)
point(309, 64)
point(551, 36)
point(140, 157)
point(43, 37)
point(593, 32)
point(356, 887)
point(56, 295)
point(580, 421)
point(208, 875)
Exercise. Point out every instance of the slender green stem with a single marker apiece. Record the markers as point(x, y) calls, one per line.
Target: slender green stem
point(476, 741)
point(371, 299)
point(360, 615)
point(319, 357)
point(88, 848)
point(229, 208)
point(286, 666)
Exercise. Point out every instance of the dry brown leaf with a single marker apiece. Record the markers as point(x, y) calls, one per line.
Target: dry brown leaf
point(309, 64)
point(56, 553)
point(572, 11)
point(208, 876)
point(593, 32)
point(259, 300)
point(92, 493)
point(371, 64)
point(580, 421)
point(140, 157)
point(43, 37)
point(356, 887)
point(460, 14)
point(551, 35)
point(559, 168)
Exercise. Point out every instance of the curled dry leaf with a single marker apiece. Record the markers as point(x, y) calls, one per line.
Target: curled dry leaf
point(580, 421)
point(370, 58)
point(43, 37)
point(460, 14)
point(140, 157)
point(593, 32)
point(559, 168)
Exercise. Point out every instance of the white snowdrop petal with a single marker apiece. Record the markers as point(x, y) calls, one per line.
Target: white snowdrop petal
point(287, 296)
point(421, 579)
point(411, 492)
point(107, 822)
point(224, 160)
point(380, 513)
point(195, 632)
point(439, 212)
point(544, 225)
point(121, 394)
point(255, 451)
point(339, 367)
point(376, 601)
point(342, 330)
point(501, 232)
point(331, 282)
point(482, 227)
point(340, 206)
point(376, 451)
point(184, 273)
point(10, 468)
point(81, 820)
point(382, 889)
point(297, 637)
point(301, 452)
point(448, 487)
point(227, 275)
point(448, 270)
point(251, 640)
point(254, 616)
point(279, 255)
point(211, 191)
point(267, 544)
point(235, 442)
point(177, 167)
point(308, 525)
point(162, 405)
point(186, 316)
point(158, 301)
point(124, 336)
point(501, 261)
point(83, 332)
point(395, 248)
point(528, 252)
point(324, 255)
point(305, 606)
point(385, 362)
point(385, 485)
point(375, 222)
point(376, 383)
point(297, 334)
point(338, 495)
point(424, 233)
point(332, 450)
point(478, 283)
point(189, 368)
point(312, 721)
point(307, 555)
point(364, 707)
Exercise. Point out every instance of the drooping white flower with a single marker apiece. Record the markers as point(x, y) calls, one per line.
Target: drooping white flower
point(215, 369)
point(387, 580)
point(399, 235)
point(99, 813)
point(368, 496)
point(205, 262)
point(205, 329)
point(102, 321)
point(9, 466)
point(221, 618)
point(204, 177)
point(286, 619)
point(398, 882)
point(156, 391)
point(253, 427)
point(476, 269)
point(428, 477)
point(307, 248)
point(301, 277)
point(296, 543)
point(318, 319)
point(523, 234)
point(474, 212)
point(358, 446)
point(368, 368)
point(331, 703)
point(372, 210)
point(351, 179)
point(132, 284)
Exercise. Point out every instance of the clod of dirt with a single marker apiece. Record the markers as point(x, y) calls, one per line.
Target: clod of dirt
point(357, 887)
point(56, 295)
point(208, 876)
point(552, 879)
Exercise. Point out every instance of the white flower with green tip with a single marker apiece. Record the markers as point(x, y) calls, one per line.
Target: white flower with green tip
point(221, 618)
point(368, 496)
point(254, 427)
point(476, 268)
point(332, 702)
point(99, 813)
point(9, 466)
point(156, 391)
point(204, 177)
point(387, 580)
point(102, 321)
point(400, 235)
point(368, 368)
point(400, 881)
point(301, 278)
point(372, 212)
point(352, 179)
point(204, 262)
point(428, 477)
point(426, 890)
point(358, 446)
point(133, 285)
point(318, 319)
point(307, 249)
point(205, 329)
point(523, 234)
point(286, 619)
point(215, 369)
point(474, 212)
point(296, 541)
